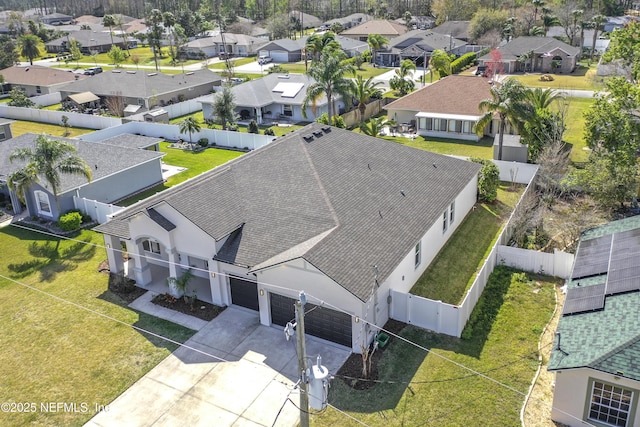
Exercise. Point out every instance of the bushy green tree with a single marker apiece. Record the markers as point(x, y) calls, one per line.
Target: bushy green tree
point(19, 98)
point(488, 180)
point(28, 46)
point(224, 107)
point(116, 55)
point(485, 21)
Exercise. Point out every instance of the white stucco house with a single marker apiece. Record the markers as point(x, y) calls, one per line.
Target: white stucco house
point(447, 108)
point(342, 216)
point(596, 352)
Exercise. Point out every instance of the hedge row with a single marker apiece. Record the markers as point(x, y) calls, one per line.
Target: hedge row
point(463, 61)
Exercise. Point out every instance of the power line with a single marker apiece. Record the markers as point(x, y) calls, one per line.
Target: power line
point(319, 300)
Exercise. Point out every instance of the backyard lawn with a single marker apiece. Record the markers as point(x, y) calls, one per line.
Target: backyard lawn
point(453, 270)
point(19, 127)
point(277, 130)
point(482, 148)
point(196, 163)
point(582, 79)
point(54, 351)
point(574, 133)
point(417, 388)
point(366, 70)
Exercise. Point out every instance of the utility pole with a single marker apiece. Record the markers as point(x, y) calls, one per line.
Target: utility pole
point(302, 361)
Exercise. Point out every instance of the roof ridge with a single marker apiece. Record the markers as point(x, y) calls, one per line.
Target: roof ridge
point(615, 350)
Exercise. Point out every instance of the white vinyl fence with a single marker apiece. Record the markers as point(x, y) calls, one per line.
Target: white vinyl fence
point(97, 210)
point(221, 138)
point(55, 117)
point(47, 99)
point(451, 319)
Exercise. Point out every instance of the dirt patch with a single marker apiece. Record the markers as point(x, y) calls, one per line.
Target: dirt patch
point(351, 370)
point(538, 409)
point(192, 307)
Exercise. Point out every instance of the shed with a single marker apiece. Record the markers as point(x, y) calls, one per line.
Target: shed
point(512, 149)
point(84, 100)
point(159, 115)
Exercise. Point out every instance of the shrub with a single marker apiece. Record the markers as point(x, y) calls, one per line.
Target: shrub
point(253, 127)
point(85, 217)
point(70, 221)
point(269, 131)
point(488, 180)
point(462, 62)
point(546, 78)
point(203, 142)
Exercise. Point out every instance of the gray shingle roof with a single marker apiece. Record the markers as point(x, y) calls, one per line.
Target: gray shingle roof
point(337, 201)
point(104, 160)
point(131, 141)
point(606, 340)
point(539, 45)
point(141, 84)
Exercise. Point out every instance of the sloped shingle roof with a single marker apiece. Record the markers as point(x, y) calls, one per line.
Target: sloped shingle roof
point(377, 26)
point(455, 94)
point(539, 45)
point(606, 340)
point(343, 200)
point(38, 75)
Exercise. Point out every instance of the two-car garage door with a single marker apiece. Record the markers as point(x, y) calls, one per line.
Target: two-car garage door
point(319, 321)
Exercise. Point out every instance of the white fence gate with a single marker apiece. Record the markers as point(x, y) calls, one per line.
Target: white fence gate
point(97, 210)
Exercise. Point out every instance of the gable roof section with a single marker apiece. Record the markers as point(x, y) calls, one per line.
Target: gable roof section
point(377, 26)
point(425, 40)
point(285, 44)
point(455, 94)
point(606, 339)
point(37, 75)
point(132, 141)
point(457, 29)
point(260, 92)
point(336, 200)
point(539, 45)
point(104, 160)
point(140, 84)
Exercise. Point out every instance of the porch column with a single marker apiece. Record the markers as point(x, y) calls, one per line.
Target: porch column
point(15, 202)
point(259, 115)
point(114, 254)
point(141, 269)
point(174, 270)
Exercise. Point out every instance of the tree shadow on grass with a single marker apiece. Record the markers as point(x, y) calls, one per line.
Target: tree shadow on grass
point(49, 258)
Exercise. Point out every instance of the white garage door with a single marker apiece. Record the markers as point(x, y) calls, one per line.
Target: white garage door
point(279, 56)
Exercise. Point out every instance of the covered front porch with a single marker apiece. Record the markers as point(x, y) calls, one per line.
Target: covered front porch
point(456, 126)
point(198, 286)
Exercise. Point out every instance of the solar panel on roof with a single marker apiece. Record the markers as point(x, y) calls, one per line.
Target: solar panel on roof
point(592, 257)
point(623, 285)
point(580, 305)
point(585, 291)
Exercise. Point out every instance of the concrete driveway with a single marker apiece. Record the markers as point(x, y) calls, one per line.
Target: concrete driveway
point(247, 389)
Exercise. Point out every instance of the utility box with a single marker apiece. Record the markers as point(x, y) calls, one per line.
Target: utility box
point(318, 386)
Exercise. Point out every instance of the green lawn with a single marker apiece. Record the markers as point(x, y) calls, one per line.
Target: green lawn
point(196, 163)
point(453, 270)
point(107, 68)
point(19, 127)
point(53, 351)
point(482, 148)
point(235, 61)
point(582, 78)
point(574, 133)
point(278, 130)
point(419, 388)
point(366, 70)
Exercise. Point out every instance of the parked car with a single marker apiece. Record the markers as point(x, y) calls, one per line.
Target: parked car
point(92, 71)
point(264, 59)
point(223, 55)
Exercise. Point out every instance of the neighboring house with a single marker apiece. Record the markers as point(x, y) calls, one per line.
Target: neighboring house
point(447, 108)
point(84, 100)
point(602, 42)
point(549, 55)
point(616, 22)
point(56, 19)
point(237, 45)
point(597, 345)
point(456, 29)
point(385, 28)
point(144, 88)
point(283, 50)
point(274, 97)
point(416, 45)
point(342, 216)
point(89, 41)
point(349, 21)
point(306, 20)
point(37, 80)
point(117, 172)
point(134, 141)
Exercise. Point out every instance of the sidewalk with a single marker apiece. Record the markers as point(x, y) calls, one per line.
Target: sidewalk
point(145, 305)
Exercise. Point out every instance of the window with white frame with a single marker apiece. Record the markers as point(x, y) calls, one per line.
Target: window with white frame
point(151, 246)
point(445, 224)
point(610, 404)
point(417, 255)
point(287, 110)
point(42, 202)
point(452, 212)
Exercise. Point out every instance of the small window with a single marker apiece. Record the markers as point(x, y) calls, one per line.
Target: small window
point(467, 127)
point(429, 124)
point(610, 404)
point(445, 223)
point(3, 135)
point(287, 110)
point(42, 200)
point(38, 89)
point(151, 246)
point(452, 125)
point(417, 255)
point(452, 212)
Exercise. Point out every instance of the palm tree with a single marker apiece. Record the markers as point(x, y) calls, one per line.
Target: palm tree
point(109, 21)
point(328, 74)
point(316, 44)
point(47, 160)
point(155, 34)
point(540, 98)
point(507, 101)
point(376, 42)
point(374, 126)
point(402, 81)
point(190, 125)
point(596, 22)
point(169, 21)
point(224, 107)
point(362, 91)
point(28, 45)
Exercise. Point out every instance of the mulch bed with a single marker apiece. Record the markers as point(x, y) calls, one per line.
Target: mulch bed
point(200, 309)
point(351, 370)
